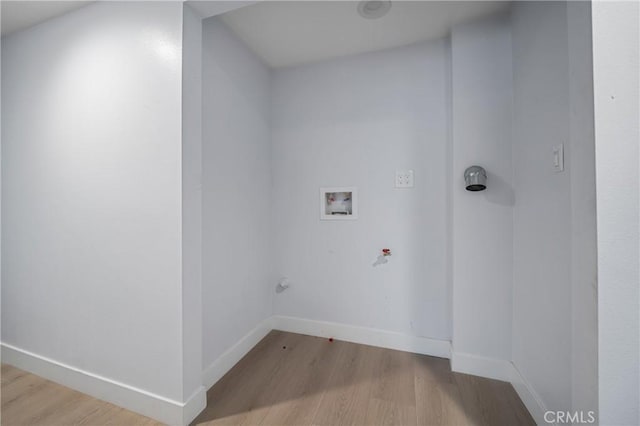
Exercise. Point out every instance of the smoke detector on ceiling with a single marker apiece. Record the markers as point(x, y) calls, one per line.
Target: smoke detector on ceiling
point(373, 9)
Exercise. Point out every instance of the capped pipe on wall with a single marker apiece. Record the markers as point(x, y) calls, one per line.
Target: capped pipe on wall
point(283, 284)
point(475, 178)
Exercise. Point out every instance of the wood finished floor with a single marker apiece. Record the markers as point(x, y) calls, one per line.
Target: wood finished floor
point(29, 400)
point(292, 379)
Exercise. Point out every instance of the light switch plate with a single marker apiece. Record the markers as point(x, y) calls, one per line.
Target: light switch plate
point(558, 158)
point(404, 178)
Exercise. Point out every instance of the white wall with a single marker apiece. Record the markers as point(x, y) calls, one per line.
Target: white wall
point(91, 186)
point(354, 121)
point(616, 90)
point(237, 285)
point(584, 279)
point(554, 312)
point(192, 202)
point(482, 228)
point(542, 214)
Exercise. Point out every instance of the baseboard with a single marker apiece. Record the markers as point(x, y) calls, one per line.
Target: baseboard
point(481, 366)
point(228, 359)
point(138, 400)
point(501, 370)
point(364, 335)
point(528, 395)
point(194, 405)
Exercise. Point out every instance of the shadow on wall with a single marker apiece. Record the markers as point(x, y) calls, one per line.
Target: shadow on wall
point(499, 191)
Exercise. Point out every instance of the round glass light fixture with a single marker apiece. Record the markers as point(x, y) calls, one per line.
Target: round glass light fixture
point(373, 9)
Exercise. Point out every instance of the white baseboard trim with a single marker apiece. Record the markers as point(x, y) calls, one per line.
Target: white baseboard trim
point(528, 395)
point(228, 359)
point(501, 370)
point(143, 402)
point(481, 366)
point(364, 335)
point(194, 405)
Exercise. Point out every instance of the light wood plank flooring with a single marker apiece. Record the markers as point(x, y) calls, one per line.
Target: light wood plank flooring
point(29, 400)
point(292, 379)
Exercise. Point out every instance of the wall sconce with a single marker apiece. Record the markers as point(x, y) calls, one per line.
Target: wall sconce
point(475, 178)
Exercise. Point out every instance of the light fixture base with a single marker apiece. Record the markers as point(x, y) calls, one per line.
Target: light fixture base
point(374, 9)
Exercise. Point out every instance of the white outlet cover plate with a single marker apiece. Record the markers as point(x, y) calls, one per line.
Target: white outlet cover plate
point(404, 178)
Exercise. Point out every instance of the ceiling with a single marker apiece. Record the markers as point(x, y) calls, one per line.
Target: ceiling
point(285, 33)
point(18, 15)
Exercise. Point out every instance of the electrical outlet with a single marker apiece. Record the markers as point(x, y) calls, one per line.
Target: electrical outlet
point(404, 178)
